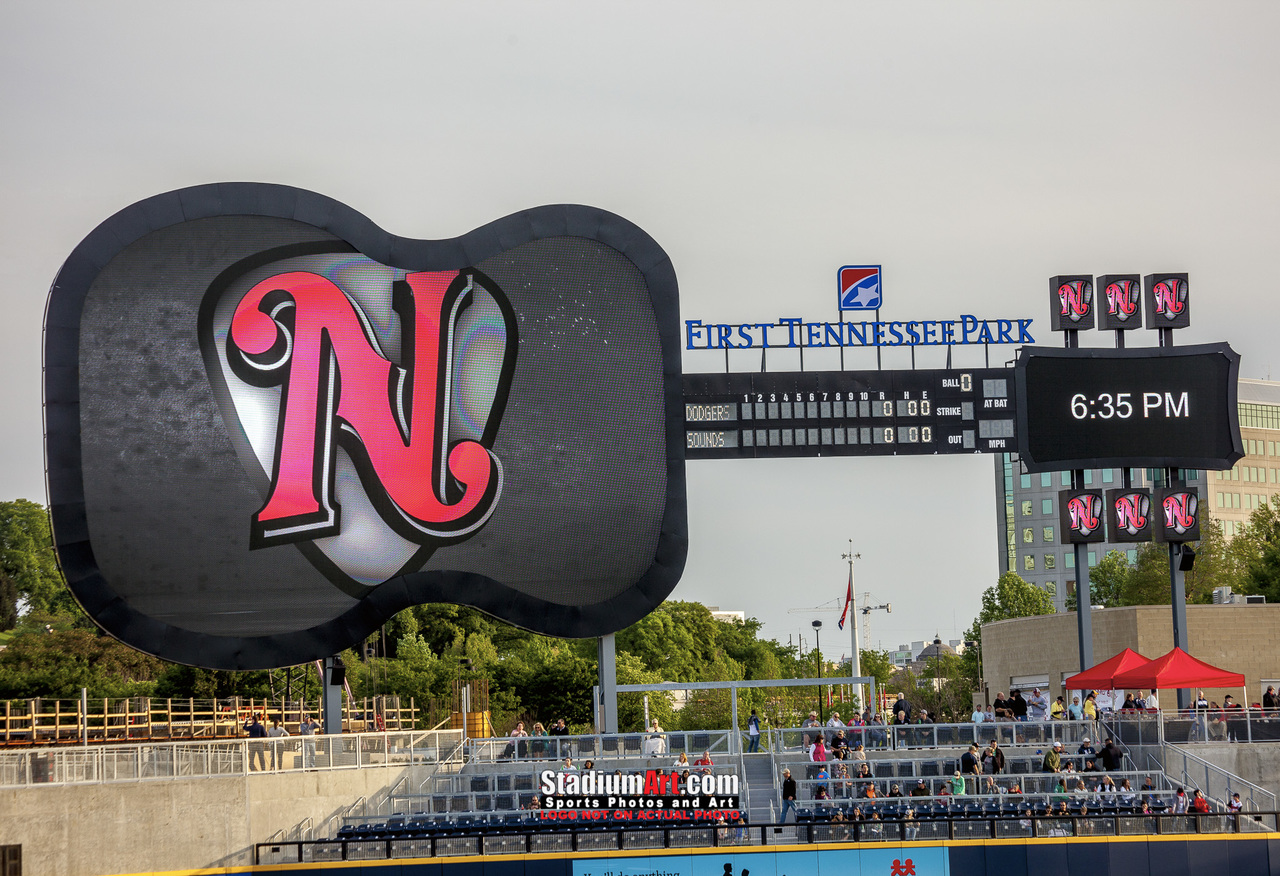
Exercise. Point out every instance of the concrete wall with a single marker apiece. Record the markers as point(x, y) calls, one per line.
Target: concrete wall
point(178, 824)
point(1239, 638)
point(1258, 762)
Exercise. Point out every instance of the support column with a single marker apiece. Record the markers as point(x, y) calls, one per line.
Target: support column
point(607, 670)
point(1084, 592)
point(335, 674)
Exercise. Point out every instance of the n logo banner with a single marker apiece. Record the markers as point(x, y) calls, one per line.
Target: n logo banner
point(271, 425)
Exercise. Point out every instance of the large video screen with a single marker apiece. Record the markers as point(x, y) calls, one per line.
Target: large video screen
point(271, 425)
point(1162, 406)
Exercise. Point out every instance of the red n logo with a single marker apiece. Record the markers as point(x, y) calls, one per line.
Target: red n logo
point(300, 331)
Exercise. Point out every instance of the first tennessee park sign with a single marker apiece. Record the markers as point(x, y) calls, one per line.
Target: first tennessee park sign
point(271, 424)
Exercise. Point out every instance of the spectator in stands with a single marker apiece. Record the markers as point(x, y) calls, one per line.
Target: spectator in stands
point(1129, 703)
point(1106, 790)
point(859, 753)
point(895, 790)
point(1052, 762)
point(879, 737)
point(840, 773)
point(1234, 804)
point(1075, 711)
point(1037, 706)
point(257, 755)
point(856, 814)
point(1015, 788)
point(656, 744)
point(1059, 796)
point(276, 732)
point(978, 715)
point(970, 762)
point(788, 795)
point(1058, 711)
point(1217, 725)
point(559, 728)
point(1138, 701)
point(307, 729)
point(1000, 706)
point(1087, 750)
point(1198, 803)
point(1090, 706)
point(808, 723)
point(989, 716)
point(1111, 757)
point(864, 771)
point(921, 789)
point(705, 762)
point(1270, 702)
point(833, 722)
point(1180, 802)
point(1018, 706)
point(818, 753)
point(925, 718)
point(682, 762)
point(753, 732)
point(538, 743)
point(839, 746)
point(1125, 794)
point(588, 766)
point(900, 718)
point(868, 791)
point(945, 790)
point(567, 766)
point(517, 745)
point(821, 779)
point(1232, 713)
point(1153, 700)
point(990, 786)
point(993, 759)
point(901, 705)
point(957, 784)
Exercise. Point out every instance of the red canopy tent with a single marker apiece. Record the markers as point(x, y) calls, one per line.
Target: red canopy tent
point(1100, 677)
point(1177, 669)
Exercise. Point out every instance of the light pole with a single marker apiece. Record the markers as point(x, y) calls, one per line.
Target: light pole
point(817, 650)
point(937, 668)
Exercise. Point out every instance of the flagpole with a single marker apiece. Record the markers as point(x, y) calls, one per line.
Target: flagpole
point(851, 598)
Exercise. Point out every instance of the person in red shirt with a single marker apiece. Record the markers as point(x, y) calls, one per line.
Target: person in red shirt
point(1199, 803)
point(705, 762)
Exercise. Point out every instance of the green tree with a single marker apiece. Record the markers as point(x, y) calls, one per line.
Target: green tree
point(58, 663)
point(27, 557)
point(8, 602)
point(1148, 581)
point(1107, 579)
point(1262, 568)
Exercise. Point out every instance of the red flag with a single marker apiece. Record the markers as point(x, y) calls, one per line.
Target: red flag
point(848, 598)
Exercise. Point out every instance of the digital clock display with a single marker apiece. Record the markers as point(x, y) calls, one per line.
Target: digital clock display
point(1165, 406)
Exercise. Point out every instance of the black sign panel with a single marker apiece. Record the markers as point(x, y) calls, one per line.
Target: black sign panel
point(1167, 406)
point(271, 425)
point(848, 413)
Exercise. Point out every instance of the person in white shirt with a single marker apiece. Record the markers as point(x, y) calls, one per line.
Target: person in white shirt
point(276, 731)
point(978, 715)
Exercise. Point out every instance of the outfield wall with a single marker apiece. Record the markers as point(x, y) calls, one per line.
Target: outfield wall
point(1254, 855)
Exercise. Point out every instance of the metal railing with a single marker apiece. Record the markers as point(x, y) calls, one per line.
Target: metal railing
point(133, 762)
point(1215, 782)
point(670, 744)
point(434, 839)
point(905, 737)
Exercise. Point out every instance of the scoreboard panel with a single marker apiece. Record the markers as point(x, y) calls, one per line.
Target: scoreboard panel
point(849, 413)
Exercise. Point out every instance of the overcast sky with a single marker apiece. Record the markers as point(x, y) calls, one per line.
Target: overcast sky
point(973, 149)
